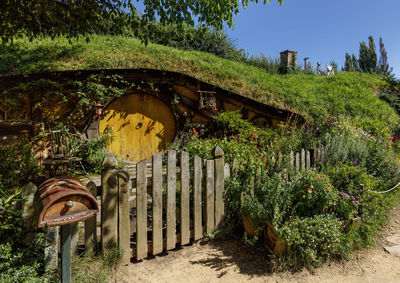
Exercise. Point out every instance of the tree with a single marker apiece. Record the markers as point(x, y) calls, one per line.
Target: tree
point(383, 65)
point(80, 17)
point(367, 57)
point(354, 63)
point(348, 66)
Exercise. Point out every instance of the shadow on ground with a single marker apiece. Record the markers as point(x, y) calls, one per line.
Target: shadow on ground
point(251, 260)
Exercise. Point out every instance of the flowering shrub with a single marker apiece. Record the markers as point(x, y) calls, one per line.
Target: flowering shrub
point(313, 239)
point(347, 178)
point(347, 206)
point(313, 194)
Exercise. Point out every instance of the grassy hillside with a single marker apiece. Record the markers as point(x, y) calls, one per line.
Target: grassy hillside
point(315, 97)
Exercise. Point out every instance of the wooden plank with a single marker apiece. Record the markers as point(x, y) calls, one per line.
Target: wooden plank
point(109, 206)
point(157, 204)
point(141, 211)
point(227, 171)
point(219, 184)
point(74, 229)
point(90, 225)
point(297, 161)
point(124, 234)
point(185, 212)
point(313, 154)
point(51, 248)
point(171, 200)
point(235, 168)
point(209, 196)
point(197, 215)
point(308, 159)
point(303, 159)
point(292, 161)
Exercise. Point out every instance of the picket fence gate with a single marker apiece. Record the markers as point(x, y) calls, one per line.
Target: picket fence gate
point(163, 205)
point(152, 207)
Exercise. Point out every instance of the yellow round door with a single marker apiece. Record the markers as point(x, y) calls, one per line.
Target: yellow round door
point(141, 125)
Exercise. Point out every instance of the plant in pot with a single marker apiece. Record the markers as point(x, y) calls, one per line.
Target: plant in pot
point(265, 208)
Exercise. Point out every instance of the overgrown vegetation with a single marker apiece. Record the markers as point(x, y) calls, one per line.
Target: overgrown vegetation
point(320, 213)
point(314, 97)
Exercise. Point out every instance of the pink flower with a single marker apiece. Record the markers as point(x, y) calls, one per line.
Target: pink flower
point(356, 211)
point(353, 198)
point(254, 137)
point(356, 202)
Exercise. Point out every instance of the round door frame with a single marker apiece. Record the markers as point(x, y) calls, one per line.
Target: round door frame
point(178, 120)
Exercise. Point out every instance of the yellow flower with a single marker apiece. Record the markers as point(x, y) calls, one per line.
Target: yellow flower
point(304, 196)
point(311, 186)
point(309, 191)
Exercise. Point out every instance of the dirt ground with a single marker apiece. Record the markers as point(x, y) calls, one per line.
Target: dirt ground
point(230, 261)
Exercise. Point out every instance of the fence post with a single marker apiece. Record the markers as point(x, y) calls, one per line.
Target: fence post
point(303, 159)
point(31, 207)
point(308, 159)
point(218, 154)
point(171, 200)
point(90, 224)
point(141, 210)
point(209, 196)
point(235, 168)
point(124, 235)
point(157, 203)
point(51, 248)
point(197, 199)
point(292, 161)
point(313, 157)
point(185, 199)
point(109, 205)
point(297, 161)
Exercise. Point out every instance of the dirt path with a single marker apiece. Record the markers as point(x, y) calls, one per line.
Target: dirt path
point(229, 261)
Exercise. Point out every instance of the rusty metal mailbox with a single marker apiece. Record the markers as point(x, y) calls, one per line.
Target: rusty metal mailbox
point(65, 200)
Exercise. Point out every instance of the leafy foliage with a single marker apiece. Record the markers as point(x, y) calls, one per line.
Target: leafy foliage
point(367, 56)
point(313, 194)
point(312, 240)
point(18, 166)
point(13, 268)
point(73, 18)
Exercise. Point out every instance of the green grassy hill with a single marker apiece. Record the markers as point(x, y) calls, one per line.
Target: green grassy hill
point(315, 97)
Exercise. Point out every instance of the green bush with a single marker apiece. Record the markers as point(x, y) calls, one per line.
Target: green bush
point(312, 240)
point(347, 178)
point(17, 166)
point(343, 147)
point(272, 200)
point(13, 269)
point(313, 194)
point(347, 207)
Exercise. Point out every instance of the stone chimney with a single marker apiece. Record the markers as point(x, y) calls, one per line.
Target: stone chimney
point(286, 57)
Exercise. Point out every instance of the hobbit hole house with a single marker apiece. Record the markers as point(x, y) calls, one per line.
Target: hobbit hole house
point(143, 119)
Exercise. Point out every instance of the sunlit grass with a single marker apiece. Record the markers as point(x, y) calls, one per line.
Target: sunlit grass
point(315, 97)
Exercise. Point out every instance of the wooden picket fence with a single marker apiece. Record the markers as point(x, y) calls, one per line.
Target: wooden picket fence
point(153, 207)
point(161, 206)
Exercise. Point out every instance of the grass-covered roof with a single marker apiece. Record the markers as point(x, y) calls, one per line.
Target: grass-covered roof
point(315, 97)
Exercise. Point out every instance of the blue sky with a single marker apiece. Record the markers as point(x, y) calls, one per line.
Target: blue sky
point(320, 29)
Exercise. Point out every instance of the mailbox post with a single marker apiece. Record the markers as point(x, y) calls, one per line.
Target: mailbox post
point(65, 200)
point(66, 253)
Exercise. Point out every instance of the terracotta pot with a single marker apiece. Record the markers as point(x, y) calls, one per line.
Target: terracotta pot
point(273, 242)
point(250, 226)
